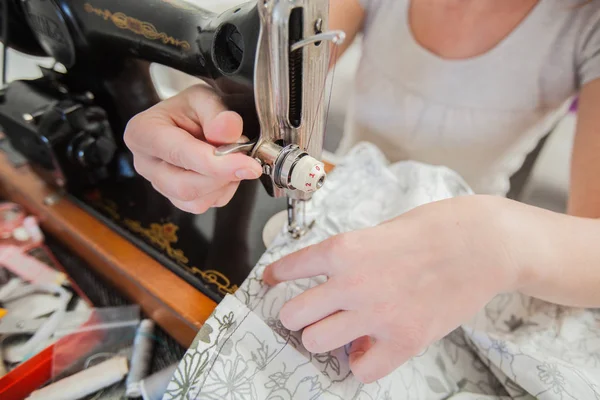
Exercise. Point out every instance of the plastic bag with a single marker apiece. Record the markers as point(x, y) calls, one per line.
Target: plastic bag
point(108, 332)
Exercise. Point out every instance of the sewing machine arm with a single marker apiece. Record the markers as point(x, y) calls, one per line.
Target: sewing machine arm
point(266, 59)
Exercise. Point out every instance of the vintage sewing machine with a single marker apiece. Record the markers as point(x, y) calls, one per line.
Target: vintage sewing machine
point(268, 59)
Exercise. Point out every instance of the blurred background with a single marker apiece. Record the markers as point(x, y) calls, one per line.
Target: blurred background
point(546, 185)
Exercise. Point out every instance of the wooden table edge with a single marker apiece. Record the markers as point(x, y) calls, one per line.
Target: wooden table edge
point(172, 303)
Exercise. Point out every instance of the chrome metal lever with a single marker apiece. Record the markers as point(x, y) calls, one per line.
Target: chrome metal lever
point(244, 145)
point(335, 37)
point(289, 167)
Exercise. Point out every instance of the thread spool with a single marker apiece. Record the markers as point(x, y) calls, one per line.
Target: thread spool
point(85, 382)
point(140, 358)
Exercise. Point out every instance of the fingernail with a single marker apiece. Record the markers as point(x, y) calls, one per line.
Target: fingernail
point(268, 277)
point(353, 357)
point(246, 174)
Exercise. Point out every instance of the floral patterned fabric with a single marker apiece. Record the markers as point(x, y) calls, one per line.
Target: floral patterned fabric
point(516, 348)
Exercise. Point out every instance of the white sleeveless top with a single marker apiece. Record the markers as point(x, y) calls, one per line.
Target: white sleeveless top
point(480, 116)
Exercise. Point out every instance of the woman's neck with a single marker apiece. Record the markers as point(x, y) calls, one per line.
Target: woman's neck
point(457, 29)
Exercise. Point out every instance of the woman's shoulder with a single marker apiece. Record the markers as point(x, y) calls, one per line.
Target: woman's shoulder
point(576, 15)
point(579, 33)
point(587, 44)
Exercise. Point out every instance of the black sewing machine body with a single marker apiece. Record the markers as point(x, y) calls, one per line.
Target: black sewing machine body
point(69, 125)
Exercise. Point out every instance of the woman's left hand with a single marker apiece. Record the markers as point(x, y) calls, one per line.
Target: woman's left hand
point(394, 289)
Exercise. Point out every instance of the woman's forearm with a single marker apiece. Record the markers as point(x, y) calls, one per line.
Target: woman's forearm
point(559, 254)
point(347, 16)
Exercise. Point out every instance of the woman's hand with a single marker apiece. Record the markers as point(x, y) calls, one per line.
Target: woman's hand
point(394, 289)
point(173, 145)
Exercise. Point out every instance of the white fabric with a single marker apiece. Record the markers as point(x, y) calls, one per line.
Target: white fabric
point(516, 348)
point(479, 116)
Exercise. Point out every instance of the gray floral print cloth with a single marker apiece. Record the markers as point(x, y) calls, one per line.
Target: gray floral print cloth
point(515, 348)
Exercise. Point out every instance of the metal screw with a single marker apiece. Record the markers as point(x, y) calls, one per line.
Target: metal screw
point(319, 26)
point(267, 169)
point(28, 117)
point(89, 96)
point(321, 182)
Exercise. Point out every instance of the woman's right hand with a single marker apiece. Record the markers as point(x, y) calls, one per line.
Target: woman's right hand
point(173, 145)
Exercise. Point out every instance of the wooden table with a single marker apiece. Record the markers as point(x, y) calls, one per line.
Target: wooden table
point(175, 305)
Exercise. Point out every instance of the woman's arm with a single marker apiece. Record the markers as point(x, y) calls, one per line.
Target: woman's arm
point(566, 264)
point(411, 281)
point(348, 16)
point(584, 199)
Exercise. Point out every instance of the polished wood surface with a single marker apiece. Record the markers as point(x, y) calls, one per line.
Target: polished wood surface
point(328, 167)
point(174, 304)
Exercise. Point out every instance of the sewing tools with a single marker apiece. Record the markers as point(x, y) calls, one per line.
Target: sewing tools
point(16, 354)
point(17, 228)
point(86, 382)
point(29, 268)
point(140, 358)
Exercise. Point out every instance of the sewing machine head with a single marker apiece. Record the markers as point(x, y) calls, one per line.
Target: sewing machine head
point(292, 62)
point(268, 59)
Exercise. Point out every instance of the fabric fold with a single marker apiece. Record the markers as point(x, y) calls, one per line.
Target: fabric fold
point(517, 347)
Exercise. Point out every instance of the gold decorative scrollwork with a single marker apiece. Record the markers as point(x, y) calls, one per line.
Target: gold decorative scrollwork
point(162, 235)
point(110, 207)
point(136, 26)
point(218, 279)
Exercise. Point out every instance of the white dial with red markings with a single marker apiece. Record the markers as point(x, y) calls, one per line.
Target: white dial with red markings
point(308, 175)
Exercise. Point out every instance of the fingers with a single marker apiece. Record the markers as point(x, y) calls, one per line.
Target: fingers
point(307, 263)
point(177, 147)
point(225, 128)
point(200, 103)
point(202, 107)
point(313, 305)
point(334, 332)
point(173, 148)
point(360, 346)
point(187, 190)
point(380, 360)
point(176, 183)
point(198, 206)
point(227, 194)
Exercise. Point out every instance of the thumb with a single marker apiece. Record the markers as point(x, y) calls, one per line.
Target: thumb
point(225, 128)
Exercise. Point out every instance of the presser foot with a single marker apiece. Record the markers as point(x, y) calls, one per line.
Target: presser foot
point(293, 221)
point(297, 225)
point(297, 232)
